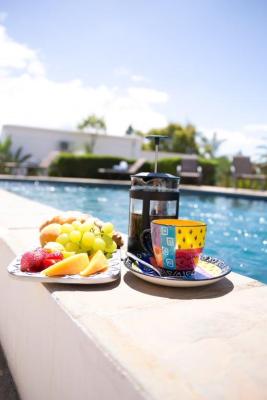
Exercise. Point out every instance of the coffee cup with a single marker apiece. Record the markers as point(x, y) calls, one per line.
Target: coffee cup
point(178, 243)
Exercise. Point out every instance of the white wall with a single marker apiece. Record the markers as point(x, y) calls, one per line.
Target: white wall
point(39, 142)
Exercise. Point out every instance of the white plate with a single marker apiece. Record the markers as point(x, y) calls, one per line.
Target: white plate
point(208, 271)
point(110, 275)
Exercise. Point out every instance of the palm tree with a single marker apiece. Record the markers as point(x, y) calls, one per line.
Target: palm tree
point(98, 125)
point(6, 154)
point(92, 121)
point(263, 155)
point(210, 147)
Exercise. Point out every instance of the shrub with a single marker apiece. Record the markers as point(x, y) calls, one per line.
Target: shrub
point(223, 175)
point(86, 165)
point(168, 165)
point(209, 171)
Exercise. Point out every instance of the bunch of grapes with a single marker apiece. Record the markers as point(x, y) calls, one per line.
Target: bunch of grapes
point(87, 237)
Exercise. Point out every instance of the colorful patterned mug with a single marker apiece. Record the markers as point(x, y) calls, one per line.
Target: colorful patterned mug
point(177, 243)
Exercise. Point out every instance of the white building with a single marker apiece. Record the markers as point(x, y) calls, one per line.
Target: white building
point(40, 142)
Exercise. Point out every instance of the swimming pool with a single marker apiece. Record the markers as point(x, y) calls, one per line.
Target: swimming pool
point(237, 228)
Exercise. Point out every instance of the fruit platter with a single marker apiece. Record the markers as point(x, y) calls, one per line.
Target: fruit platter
point(74, 248)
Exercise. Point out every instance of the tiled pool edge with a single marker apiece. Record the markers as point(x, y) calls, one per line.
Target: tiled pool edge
point(120, 319)
point(190, 189)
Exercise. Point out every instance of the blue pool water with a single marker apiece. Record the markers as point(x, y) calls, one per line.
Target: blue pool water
point(237, 228)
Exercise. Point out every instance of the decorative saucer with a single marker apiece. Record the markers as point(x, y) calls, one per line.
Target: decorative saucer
point(209, 270)
point(110, 275)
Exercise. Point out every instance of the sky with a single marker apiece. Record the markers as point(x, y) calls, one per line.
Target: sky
point(144, 63)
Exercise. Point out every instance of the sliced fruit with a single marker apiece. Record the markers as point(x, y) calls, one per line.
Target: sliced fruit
point(97, 263)
point(69, 266)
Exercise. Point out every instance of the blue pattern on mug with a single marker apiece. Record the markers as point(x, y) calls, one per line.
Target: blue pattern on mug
point(167, 235)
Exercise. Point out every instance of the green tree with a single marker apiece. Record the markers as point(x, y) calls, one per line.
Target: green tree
point(94, 122)
point(181, 139)
point(6, 154)
point(209, 147)
point(263, 153)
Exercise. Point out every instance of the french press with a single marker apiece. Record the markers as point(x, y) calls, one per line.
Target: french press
point(152, 196)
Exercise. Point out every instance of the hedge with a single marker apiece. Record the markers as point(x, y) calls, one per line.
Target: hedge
point(85, 165)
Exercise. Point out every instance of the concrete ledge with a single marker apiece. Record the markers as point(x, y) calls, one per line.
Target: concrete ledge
point(131, 340)
point(50, 354)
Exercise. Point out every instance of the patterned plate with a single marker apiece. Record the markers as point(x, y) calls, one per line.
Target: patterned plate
point(209, 270)
point(110, 275)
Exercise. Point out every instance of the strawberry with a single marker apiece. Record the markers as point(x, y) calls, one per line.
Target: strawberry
point(48, 262)
point(31, 261)
point(56, 255)
point(39, 259)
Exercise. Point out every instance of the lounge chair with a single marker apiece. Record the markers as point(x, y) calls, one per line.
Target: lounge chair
point(189, 169)
point(121, 173)
point(243, 169)
point(23, 169)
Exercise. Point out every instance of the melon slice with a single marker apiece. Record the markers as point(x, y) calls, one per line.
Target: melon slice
point(69, 266)
point(97, 263)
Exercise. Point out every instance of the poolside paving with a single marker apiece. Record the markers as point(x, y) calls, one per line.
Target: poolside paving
point(144, 341)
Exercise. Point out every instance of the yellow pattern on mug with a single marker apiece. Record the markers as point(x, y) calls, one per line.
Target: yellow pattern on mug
point(190, 237)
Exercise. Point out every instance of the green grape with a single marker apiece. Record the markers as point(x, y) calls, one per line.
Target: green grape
point(72, 247)
point(63, 238)
point(66, 228)
point(110, 234)
point(108, 241)
point(54, 246)
point(86, 226)
point(77, 225)
point(99, 244)
point(107, 228)
point(110, 244)
point(88, 240)
point(75, 236)
point(112, 248)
